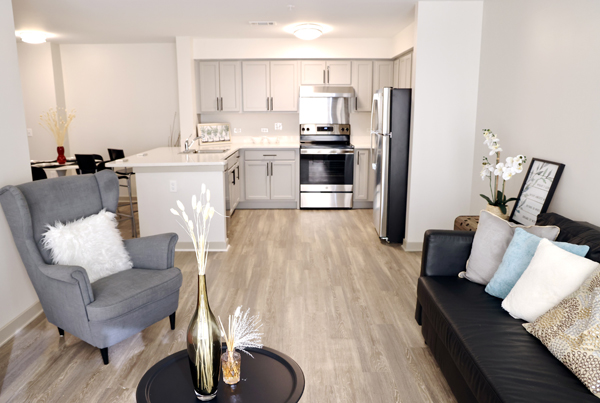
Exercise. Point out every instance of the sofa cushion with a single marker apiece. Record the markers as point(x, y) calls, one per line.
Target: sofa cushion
point(128, 290)
point(579, 232)
point(491, 240)
point(496, 356)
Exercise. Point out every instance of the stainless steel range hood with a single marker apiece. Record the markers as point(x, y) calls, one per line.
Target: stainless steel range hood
point(325, 104)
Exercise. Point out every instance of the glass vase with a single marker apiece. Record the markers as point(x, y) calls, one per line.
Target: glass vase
point(204, 347)
point(231, 362)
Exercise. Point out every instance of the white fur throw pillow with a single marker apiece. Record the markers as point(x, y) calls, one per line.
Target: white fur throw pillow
point(93, 243)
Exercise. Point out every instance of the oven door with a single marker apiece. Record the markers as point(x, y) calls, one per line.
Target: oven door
point(326, 170)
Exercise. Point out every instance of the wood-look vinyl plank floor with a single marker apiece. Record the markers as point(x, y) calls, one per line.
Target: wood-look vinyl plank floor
point(329, 293)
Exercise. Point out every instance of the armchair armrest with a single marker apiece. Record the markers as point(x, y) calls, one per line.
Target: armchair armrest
point(73, 275)
point(152, 252)
point(445, 253)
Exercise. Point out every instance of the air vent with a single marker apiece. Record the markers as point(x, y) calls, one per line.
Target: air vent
point(262, 23)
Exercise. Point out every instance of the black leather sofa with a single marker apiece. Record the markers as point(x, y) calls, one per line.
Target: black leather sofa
point(484, 353)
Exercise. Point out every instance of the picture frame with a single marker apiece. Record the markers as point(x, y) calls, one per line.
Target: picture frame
point(214, 133)
point(536, 191)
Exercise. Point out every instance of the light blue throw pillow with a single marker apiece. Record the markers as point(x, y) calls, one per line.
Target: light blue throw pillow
point(518, 255)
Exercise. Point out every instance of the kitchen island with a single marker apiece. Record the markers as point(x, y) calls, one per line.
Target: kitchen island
point(165, 175)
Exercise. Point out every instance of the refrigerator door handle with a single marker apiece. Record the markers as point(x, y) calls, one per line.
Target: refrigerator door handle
point(373, 132)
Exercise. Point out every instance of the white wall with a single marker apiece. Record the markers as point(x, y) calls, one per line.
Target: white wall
point(540, 92)
point(125, 96)
point(446, 62)
point(403, 40)
point(293, 48)
point(39, 95)
point(16, 292)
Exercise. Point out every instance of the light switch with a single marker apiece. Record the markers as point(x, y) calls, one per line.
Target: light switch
point(237, 130)
point(29, 132)
point(173, 186)
point(278, 126)
point(264, 130)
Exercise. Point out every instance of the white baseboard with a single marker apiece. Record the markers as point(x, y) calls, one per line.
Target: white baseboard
point(18, 323)
point(212, 246)
point(412, 246)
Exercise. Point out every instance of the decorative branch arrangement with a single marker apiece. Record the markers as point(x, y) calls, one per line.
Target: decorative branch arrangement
point(506, 170)
point(198, 225)
point(56, 124)
point(242, 331)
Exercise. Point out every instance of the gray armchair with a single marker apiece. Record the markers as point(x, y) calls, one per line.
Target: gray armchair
point(113, 308)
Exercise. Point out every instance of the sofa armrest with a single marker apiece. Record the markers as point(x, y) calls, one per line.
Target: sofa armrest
point(75, 275)
point(153, 252)
point(445, 253)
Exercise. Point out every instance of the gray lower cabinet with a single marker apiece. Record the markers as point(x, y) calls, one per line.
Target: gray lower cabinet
point(364, 176)
point(270, 180)
point(361, 175)
point(257, 180)
point(283, 180)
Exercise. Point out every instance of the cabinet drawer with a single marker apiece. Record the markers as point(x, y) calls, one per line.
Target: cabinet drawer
point(254, 155)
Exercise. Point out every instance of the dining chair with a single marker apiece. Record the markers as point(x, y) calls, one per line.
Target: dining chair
point(38, 174)
point(87, 163)
point(125, 174)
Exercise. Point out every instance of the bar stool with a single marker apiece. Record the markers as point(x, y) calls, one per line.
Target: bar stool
point(87, 163)
point(116, 154)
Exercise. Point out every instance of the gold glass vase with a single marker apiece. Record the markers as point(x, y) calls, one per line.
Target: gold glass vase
point(231, 362)
point(204, 347)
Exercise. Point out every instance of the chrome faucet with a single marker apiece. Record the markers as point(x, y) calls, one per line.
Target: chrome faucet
point(189, 143)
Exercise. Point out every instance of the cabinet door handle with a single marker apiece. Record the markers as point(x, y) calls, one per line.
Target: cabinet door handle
point(233, 173)
point(324, 82)
point(271, 169)
point(271, 103)
point(358, 158)
point(327, 74)
point(269, 155)
point(267, 103)
point(268, 169)
point(217, 103)
point(356, 103)
point(238, 173)
point(221, 103)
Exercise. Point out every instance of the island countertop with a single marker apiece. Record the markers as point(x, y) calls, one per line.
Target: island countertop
point(172, 157)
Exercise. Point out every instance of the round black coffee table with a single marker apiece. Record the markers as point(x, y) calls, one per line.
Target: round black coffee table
point(269, 377)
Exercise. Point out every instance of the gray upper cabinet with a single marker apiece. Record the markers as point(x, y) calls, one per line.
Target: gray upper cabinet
point(383, 74)
point(270, 86)
point(333, 72)
point(256, 86)
point(219, 86)
point(362, 82)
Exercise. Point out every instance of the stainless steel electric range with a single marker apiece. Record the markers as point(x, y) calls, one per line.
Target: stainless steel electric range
point(326, 155)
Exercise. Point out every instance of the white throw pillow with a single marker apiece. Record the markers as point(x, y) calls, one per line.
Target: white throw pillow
point(93, 243)
point(552, 275)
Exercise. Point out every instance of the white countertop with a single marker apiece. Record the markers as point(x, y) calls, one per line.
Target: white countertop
point(361, 142)
point(170, 156)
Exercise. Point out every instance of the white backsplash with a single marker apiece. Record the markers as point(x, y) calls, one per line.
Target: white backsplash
point(252, 123)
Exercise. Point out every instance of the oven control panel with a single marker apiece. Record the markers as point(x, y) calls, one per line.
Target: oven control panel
point(325, 130)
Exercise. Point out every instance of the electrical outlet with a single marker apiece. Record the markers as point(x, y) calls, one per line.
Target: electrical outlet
point(173, 186)
point(29, 132)
point(264, 130)
point(278, 126)
point(237, 130)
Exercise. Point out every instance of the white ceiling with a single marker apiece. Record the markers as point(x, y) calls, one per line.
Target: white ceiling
point(118, 21)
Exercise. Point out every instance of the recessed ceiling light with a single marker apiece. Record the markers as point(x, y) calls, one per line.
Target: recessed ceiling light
point(308, 32)
point(32, 36)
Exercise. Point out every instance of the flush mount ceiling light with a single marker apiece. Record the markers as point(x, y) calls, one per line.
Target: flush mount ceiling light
point(308, 32)
point(32, 36)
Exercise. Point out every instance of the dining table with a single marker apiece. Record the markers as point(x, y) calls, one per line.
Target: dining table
point(53, 169)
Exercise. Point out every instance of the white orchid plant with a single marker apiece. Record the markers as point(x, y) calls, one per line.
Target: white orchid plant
point(499, 171)
point(242, 331)
point(198, 225)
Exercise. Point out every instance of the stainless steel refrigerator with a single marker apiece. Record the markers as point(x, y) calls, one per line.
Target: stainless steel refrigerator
point(390, 140)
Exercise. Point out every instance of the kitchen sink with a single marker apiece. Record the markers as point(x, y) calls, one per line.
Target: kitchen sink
point(206, 151)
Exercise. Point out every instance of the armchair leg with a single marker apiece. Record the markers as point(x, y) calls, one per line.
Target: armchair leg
point(172, 320)
point(61, 332)
point(104, 352)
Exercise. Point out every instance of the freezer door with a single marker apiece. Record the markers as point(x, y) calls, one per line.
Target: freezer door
point(380, 196)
